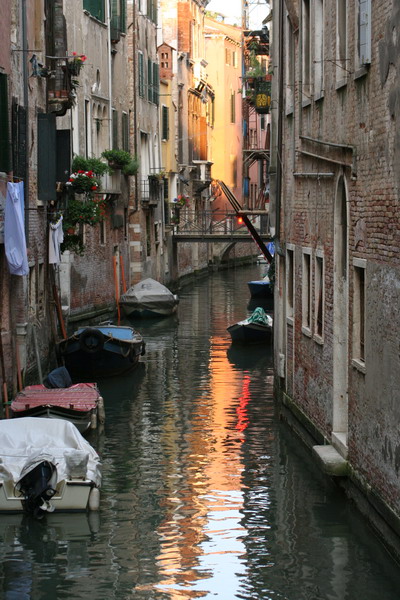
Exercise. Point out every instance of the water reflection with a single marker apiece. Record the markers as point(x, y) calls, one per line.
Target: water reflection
point(206, 494)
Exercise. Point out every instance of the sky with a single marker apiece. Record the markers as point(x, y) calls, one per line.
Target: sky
point(232, 9)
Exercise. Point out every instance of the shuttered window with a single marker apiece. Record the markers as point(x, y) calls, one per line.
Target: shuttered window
point(165, 122)
point(149, 80)
point(18, 140)
point(4, 127)
point(364, 20)
point(152, 10)
point(141, 74)
point(115, 129)
point(156, 81)
point(125, 132)
point(46, 157)
point(95, 8)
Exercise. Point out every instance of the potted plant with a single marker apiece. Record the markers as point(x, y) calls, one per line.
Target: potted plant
point(117, 159)
point(83, 182)
point(180, 201)
point(96, 165)
point(132, 167)
point(74, 66)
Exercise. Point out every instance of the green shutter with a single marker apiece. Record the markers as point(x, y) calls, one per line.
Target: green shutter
point(156, 83)
point(141, 75)
point(125, 132)
point(115, 129)
point(149, 80)
point(123, 16)
point(95, 8)
point(4, 126)
point(165, 123)
point(46, 159)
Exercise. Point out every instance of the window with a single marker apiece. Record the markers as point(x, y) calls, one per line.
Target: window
point(306, 44)
point(46, 157)
point(125, 131)
point(88, 135)
point(233, 108)
point(290, 283)
point(319, 296)
point(95, 8)
point(290, 62)
point(341, 40)
point(359, 311)
point(156, 83)
point(165, 123)
point(227, 56)
point(4, 126)
point(234, 59)
point(152, 10)
point(149, 80)
point(364, 32)
point(118, 18)
point(114, 129)
point(306, 291)
point(141, 74)
point(319, 49)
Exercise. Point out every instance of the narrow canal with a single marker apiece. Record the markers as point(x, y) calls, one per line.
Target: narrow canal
point(206, 493)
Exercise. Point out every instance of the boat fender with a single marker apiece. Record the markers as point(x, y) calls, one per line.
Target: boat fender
point(101, 411)
point(91, 340)
point(94, 499)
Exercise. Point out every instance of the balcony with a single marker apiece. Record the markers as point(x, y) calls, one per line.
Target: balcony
point(152, 191)
point(111, 184)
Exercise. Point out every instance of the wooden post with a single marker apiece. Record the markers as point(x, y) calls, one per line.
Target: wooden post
point(116, 288)
point(123, 274)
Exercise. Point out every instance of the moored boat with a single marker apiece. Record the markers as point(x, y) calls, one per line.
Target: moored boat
point(81, 404)
point(46, 468)
point(148, 298)
point(261, 288)
point(256, 328)
point(101, 351)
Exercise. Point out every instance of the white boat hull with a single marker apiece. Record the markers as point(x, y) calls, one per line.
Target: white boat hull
point(71, 495)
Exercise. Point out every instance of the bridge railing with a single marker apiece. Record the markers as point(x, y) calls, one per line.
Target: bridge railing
point(213, 222)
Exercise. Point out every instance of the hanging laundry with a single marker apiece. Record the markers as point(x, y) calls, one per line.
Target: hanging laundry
point(56, 238)
point(14, 230)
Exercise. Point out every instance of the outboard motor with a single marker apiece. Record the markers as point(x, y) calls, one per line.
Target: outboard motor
point(37, 484)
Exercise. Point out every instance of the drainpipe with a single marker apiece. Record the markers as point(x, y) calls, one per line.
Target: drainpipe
point(135, 123)
point(26, 105)
point(279, 133)
point(109, 62)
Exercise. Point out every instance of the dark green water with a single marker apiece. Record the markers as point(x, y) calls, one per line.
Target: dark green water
point(206, 494)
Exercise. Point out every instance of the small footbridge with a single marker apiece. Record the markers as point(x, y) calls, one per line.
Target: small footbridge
point(236, 225)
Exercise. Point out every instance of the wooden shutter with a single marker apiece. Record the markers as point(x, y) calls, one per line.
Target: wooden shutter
point(125, 132)
point(95, 8)
point(46, 158)
point(165, 123)
point(149, 80)
point(156, 82)
point(115, 129)
point(19, 140)
point(4, 127)
point(365, 31)
point(63, 154)
point(141, 74)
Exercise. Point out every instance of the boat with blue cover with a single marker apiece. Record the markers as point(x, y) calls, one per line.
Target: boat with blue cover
point(101, 351)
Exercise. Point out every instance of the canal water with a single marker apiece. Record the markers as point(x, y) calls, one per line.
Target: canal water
point(206, 493)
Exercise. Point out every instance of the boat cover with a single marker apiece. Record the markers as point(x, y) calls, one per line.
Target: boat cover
point(260, 317)
point(149, 294)
point(81, 397)
point(23, 439)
